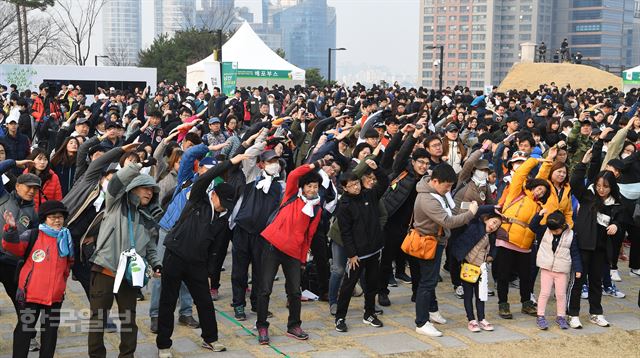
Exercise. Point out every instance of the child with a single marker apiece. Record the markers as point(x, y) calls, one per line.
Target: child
point(43, 278)
point(558, 255)
point(476, 246)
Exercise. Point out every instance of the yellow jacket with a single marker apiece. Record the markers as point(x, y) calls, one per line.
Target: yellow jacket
point(554, 202)
point(520, 207)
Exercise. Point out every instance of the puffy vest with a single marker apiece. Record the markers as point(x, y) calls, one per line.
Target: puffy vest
point(559, 261)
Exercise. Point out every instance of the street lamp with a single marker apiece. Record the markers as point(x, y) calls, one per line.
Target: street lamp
point(332, 49)
point(441, 47)
point(96, 59)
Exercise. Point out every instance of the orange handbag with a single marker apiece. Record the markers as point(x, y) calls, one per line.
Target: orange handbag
point(420, 246)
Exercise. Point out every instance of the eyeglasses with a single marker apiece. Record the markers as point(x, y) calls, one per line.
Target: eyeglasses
point(353, 185)
point(422, 162)
point(58, 217)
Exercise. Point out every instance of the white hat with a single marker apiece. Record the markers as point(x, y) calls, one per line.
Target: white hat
point(13, 117)
point(102, 96)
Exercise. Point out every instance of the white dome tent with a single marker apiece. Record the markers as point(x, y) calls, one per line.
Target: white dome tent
point(256, 64)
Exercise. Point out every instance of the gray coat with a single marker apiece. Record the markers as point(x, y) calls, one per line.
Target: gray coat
point(113, 238)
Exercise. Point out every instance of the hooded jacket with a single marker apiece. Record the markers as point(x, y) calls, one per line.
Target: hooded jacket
point(473, 233)
point(555, 201)
point(113, 238)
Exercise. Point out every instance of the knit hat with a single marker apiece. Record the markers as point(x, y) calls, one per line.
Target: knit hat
point(51, 207)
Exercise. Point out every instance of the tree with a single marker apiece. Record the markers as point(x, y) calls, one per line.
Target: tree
point(213, 17)
point(22, 45)
point(171, 56)
point(119, 55)
point(21, 8)
point(75, 21)
point(281, 52)
point(314, 78)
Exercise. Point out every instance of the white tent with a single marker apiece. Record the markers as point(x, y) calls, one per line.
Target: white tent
point(256, 64)
point(631, 79)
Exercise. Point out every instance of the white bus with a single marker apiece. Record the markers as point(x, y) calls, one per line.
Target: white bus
point(88, 78)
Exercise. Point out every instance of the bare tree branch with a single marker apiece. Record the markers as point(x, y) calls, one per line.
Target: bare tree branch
point(75, 20)
point(119, 55)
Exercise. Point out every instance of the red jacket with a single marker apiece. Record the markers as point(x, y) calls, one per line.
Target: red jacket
point(37, 109)
point(43, 278)
point(291, 230)
point(51, 190)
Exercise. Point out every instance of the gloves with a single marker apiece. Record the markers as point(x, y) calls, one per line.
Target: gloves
point(157, 268)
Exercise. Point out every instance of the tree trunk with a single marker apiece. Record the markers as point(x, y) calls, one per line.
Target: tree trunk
point(25, 31)
point(20, 47)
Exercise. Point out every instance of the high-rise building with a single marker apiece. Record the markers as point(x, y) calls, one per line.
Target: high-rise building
point(481, 38)
point(174, 15)
point(122, 31)
point(216, 14)
point(308, 31)
point(602, 30)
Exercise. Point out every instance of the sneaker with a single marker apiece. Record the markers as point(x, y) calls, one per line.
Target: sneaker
point(238, 313)
point(377, 310)
point(515, 283)
point(213, 346)
point(562, 322)
point(383, 300)
point(357, 291)
point(428, 330)
point(165, 353)
point(436, 317)
point(529, 308)
point(372, 320)
point(214, 294)
point(341, 325)
point(153, 327)
point(585, 292)
point(491, 292)
point(188, 321)
point(485, 325)
point(403, 277)
point(615, 275)
point(473, 326)
point(532, 297)
point(333, 309)
point(392, 282)
point(34, 345)
point(504, 311)
point(541, 322)
point(263, 335)
point(634, 273)
point(613, 292)
point(599, 320)
point(574, 322)
point(139, 296)
point(297, 333)
point(458, 291)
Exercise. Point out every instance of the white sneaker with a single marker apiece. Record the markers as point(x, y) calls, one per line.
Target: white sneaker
point(599, 320)
point(634, 273)
point(533, 299)
point(437, 317)
point(459, 292)
point(165, 353)
point(615, 275)
point(428, 330)
point(575, 323)
point(613, 292)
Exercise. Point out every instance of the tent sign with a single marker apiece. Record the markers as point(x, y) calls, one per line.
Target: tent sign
point(267, 74)
point(229, 76)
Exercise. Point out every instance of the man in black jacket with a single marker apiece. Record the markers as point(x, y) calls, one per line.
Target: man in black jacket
point(189, 247)
point(359, 219)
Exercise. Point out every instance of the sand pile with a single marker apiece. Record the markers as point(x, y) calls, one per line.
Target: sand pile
point(531, 75)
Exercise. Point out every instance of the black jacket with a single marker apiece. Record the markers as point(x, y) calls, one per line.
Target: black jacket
point(193, 238)
point(359, 219)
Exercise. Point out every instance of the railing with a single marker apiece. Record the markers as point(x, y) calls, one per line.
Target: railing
point(617, 70)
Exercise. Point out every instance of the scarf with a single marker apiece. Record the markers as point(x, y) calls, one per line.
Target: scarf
point(308, 204)
point(448, 205)
point(63, 239)
point(265, 183)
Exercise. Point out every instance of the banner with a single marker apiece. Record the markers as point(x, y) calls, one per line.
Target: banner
point(229, 77)
point(266, 74)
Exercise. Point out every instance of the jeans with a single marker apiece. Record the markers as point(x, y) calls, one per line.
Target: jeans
point(246, 250)
point(195, 276)
point(471, 290)
point(426, 296)
point(338, 265)
point(592, 263)
point(272, 258)
point(509, 261)
point(26, 328)
point(186, 302)
point(370, 266)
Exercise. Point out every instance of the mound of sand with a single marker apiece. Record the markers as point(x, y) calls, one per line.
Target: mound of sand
point(532, 75)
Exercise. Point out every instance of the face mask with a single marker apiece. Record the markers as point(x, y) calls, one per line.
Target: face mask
point(605, 147)
point(270, 100)
point(624, 155)
point(272, 168)
point(480, 176)
point(104, 185)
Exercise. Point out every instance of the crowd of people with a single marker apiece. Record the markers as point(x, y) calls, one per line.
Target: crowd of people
point(342, 188)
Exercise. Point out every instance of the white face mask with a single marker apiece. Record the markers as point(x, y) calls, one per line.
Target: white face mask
point(605, 147)
point(104, 185)
point(624, 155)
point(480, 176)
point(272, 168)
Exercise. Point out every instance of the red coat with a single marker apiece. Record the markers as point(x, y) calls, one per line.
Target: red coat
point(43, 278)
point(291, 230)
point(51, 190)
point(37, 109)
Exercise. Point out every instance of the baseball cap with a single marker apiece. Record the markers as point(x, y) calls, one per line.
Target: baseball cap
point(518, 156)
point(82, 120)
point(213, 120)
point(208, 162)
point(226, 194)
point(29, 179)
point(452, 128)
point(268, 155)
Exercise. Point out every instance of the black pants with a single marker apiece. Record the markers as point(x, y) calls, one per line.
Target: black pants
point(505, 263)
point(215, 267)
point(634, 251)
point(471, 290)
point(320, 252)
point(174, 272)
point(81, 270)
point(26, 329)
point(247, 249)
point(272, 258)
point(371, 267)
point(8, 279)
point(393, 236)
point(616, 245)
point(592, 263)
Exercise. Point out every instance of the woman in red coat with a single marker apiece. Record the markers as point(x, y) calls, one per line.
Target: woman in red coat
point(51, 189)
point(48, 253)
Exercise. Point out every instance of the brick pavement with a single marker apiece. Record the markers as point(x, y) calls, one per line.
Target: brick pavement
point(397, 336)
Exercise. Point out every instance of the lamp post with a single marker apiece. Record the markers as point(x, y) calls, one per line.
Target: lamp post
point(441, 47)
point(332, 49)
point(96, 59)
